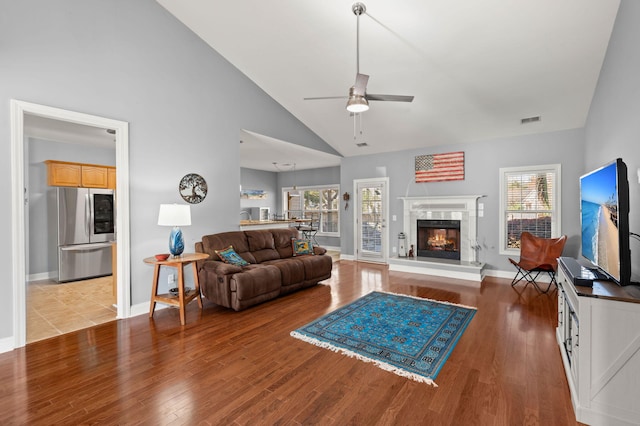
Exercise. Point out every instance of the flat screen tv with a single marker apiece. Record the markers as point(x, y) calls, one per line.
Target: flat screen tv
point(604, 213)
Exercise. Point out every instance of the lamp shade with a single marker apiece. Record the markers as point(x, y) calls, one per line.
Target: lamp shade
point(357, 103)
point(174, 215)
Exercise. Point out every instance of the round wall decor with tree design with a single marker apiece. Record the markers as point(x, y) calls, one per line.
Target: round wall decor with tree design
point(193, 188)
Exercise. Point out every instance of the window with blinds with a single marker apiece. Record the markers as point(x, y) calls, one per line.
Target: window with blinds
point(530, 200)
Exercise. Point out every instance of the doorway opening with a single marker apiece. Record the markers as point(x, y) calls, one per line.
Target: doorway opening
point(19, 110)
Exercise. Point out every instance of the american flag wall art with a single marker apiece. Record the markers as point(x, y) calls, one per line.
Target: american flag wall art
point(440, 167)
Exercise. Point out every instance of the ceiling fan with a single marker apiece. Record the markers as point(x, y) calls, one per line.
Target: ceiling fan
point(358, 98)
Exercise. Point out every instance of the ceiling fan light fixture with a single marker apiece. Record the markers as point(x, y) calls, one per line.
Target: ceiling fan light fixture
point(357, 103)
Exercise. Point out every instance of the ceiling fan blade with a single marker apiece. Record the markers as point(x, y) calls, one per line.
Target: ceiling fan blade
point(325, 97)
point(392, 98)
point(361, 84)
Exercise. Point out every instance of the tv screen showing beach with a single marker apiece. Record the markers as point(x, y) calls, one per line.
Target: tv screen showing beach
point(599, 213)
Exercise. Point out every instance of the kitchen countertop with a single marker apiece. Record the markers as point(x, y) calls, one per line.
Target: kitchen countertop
point(266, 222)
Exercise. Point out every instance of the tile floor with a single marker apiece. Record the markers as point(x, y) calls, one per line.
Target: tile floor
point(54, 309)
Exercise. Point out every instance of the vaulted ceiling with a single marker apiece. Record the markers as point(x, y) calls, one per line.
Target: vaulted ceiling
point(476, 68)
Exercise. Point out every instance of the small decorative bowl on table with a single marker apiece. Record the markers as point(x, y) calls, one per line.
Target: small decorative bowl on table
point(163, 256)
point(175, 292)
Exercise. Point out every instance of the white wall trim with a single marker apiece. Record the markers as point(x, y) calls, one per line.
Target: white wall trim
point(6, 344)
point(143, 308)
point(18, 110)
point(42, 276)
point(510, 274)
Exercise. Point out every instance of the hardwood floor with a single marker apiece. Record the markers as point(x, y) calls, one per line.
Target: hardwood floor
point(227, 367)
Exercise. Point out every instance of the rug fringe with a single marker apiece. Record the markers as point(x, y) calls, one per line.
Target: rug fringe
point(425, 298)
point(351, 354)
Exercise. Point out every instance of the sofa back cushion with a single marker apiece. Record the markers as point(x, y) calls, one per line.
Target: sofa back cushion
point(282, 241)
point(237, 239)
point(261, 245)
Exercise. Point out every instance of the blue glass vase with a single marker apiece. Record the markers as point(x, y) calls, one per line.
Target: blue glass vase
point(176, 242)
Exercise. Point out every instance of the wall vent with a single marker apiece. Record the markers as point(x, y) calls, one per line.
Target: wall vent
point(530, 120)
point(361, 144)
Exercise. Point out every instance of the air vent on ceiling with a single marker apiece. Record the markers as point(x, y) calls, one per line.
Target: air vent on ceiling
point(530, 120)
point(361, 144)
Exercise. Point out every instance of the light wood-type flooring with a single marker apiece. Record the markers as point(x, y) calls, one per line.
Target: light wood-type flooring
point(237, 368)
point(57, 308)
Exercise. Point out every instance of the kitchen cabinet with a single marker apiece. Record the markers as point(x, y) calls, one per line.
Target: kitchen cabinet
point(64, 173)
point(60, 173)
point(111, 177)
point(94, 177)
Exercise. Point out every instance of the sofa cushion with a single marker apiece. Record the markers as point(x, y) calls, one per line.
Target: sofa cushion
point(230, 256)
point(261, 245)
point(256, 280)
point(282, 240)
point(316, 267)
point(211, 243)
point(291, 272)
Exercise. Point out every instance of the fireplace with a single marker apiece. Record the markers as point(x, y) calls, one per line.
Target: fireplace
point(438, 238)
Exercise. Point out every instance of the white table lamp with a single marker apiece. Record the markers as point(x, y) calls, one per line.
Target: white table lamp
point(175, 215)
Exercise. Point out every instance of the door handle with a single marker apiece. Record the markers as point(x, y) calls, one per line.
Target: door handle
point(87, 213)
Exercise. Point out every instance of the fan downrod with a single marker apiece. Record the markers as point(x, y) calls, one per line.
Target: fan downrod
point(358, 8)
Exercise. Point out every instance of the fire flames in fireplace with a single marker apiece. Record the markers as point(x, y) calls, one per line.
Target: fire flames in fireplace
point(439, 238)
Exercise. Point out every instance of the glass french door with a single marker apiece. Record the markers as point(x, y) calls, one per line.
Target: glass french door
point(371, 220)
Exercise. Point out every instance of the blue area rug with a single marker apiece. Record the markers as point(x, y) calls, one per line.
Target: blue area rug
point(409, 336)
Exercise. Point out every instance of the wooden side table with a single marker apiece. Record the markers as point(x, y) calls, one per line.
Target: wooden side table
point(182, 299)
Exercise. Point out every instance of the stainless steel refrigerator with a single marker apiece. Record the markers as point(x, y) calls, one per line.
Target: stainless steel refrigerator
point(86, 230)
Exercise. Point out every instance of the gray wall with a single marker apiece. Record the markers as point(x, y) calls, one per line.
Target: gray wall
point(613, 127)
point(133, 61)
point(482, 163)
point(42, 258)
point(260, 179)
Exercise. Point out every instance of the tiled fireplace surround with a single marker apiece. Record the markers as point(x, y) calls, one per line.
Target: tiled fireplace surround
point(463, 208)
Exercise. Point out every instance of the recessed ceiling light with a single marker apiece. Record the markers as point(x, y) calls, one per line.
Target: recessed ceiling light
point(530, 120)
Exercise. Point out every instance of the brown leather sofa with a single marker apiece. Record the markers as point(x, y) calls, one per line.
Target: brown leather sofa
point(273, 270)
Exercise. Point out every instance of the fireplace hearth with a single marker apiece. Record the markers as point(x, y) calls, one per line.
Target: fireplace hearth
point(438, 239)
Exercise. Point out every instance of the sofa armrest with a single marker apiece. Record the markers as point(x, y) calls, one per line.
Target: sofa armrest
point(319, 250)
point(221, 268)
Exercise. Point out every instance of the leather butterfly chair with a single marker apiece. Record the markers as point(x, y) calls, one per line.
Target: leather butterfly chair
point(537, 256)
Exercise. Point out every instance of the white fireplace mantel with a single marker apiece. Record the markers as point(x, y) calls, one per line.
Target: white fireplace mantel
point(454, 207)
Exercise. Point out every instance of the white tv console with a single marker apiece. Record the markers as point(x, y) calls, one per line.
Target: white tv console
point(599, 337)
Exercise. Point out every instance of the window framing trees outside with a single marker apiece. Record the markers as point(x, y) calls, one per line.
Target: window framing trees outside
point(530, 200)
point(319, 201)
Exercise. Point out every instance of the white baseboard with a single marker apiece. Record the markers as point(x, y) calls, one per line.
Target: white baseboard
point(543, 278)
point(347, 257)
point(7, 344)
point(143, 308)
point(42, 276)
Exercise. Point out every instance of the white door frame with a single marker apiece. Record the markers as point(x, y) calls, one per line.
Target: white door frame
point(18, 228)
point(385, 217)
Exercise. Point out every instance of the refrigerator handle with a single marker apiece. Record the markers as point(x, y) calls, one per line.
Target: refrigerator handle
point(87, 214)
